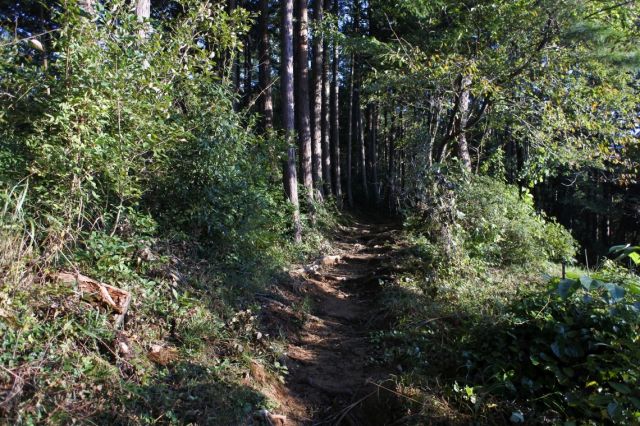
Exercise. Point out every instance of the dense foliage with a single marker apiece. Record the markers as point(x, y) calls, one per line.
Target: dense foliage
point(157, 147)
point(122, 158)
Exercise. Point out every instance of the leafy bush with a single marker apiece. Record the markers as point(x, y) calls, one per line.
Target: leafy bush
point(509, 346)
point(490, 221)
point(500, 225)
point(119, 132)
point(122, 157)
point(573, 351)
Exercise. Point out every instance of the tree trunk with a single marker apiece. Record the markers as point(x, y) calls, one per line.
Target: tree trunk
point(318, 10)
point(392, 163)
point(362, 163)
point(361, 145)
point(374, 155)
point(266, 102)
point(291, 181)
point(462, 118)
point(302, 97)
point(350, 123)
point(143, 13)
point(232, 56)
point(326, 122)
point(248, 77)
point(335, 120)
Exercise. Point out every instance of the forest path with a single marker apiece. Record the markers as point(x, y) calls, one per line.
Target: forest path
point(329, 310)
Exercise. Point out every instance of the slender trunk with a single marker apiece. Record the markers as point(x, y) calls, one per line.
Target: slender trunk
point(326, 122)
point(266, 103)
point(317, 98)
point(392, 166)
point(350, 124)
point(463, 116)
point(362, 163)
point(335, 120)
point(302, 97)
point(248, 77)
point(232, 57)
point(361, 146)
point(403, 154)
point(374, 155)
point(143, 12)
point(291, 181)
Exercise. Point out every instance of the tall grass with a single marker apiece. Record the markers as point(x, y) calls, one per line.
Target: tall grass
point(17, 237)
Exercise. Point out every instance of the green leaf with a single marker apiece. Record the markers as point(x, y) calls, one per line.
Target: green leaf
point(620, 387)
point(586, 282)
point(565, 286)
point(615, 291)
point(618, 248)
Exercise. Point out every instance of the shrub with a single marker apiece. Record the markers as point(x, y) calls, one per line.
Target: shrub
point(573, 350)
point(490, 221)
point(500, 225)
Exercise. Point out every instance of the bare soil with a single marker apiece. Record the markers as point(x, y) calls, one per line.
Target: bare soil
point(327, 311)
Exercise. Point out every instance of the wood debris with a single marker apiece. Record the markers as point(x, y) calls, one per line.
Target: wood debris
point(115, 298)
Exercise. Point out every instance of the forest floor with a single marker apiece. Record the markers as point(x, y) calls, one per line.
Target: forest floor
point(326, 312)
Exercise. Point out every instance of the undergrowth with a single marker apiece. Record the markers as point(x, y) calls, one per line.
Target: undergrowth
point(480, 336)
point(128, 165)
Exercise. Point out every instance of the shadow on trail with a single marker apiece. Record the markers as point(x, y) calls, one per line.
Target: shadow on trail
point(327, 312)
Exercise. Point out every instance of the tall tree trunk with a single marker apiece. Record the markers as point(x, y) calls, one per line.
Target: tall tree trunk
point(143, 13)
point(362, 157)
point(392, 163)
point(361, 144)
point(266, 101)
point(335, 120)
point(462, 118)
point(248, 75)
point(350, 123)
point(326, 122)
point(232, 56)
point(302, 96)
point(291, 181)
point(318, 11)
point(374, 154)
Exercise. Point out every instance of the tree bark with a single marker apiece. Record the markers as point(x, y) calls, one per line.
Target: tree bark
point(362, 157)
point(326, 122)
point(143, 13)
point(350, 123)
point(374, 155)
point(462, 118)
point(248, 75)
point(291, 182)
point(318, 53)
point(232, 55)
point(392, 163)
point(264, 70)
point(361, 144)
point(302, 97)
point(335, 120)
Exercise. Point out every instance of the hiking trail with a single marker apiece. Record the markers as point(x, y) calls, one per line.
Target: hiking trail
point(332, 378)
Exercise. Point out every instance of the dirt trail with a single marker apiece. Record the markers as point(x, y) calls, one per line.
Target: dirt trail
point(329, 356)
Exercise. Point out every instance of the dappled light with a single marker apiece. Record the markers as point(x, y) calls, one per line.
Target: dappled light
point(319, 212)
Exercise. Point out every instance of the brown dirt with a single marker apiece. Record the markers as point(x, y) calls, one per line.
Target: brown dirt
point(331, 377)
